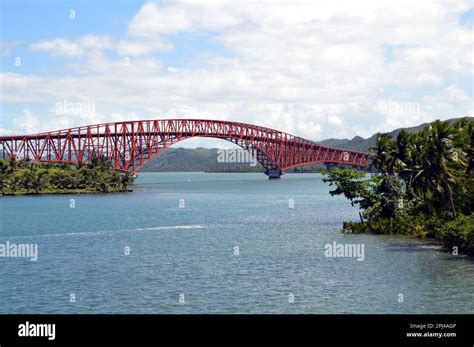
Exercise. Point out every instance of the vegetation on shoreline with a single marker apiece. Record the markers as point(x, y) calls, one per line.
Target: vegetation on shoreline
point(22, 177)
point(424, 185)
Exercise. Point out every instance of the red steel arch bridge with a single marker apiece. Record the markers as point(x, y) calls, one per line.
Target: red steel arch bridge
point(129, 145)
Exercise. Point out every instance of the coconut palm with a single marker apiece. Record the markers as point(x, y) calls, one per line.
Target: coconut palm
point(384, 154)
point(464, 140)
point(441, 159)
point(419, 181)
point(403, 163)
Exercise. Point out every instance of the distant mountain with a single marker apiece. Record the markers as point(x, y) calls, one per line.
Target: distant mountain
point(196, 159)
point(203, 159)
point(363, 145)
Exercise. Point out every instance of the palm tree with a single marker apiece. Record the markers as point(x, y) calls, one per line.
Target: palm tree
point(419, 181)
point(442, 157)
point(464, 140)
point(403, 155)
point(384, 153)
point(470, 148)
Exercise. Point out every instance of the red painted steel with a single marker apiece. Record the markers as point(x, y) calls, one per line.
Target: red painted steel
point(129, 145)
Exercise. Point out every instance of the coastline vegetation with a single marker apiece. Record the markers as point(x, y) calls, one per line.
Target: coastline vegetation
point(424, 185)
point(18, 177)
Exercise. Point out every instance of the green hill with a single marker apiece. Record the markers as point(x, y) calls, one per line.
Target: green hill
point(204, 159)
point(195, 159)
point(360, 144)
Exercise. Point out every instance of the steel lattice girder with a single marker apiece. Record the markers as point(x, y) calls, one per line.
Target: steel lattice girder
point(129, 145)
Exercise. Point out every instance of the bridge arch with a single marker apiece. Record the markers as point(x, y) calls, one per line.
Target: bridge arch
point(264, 158)
point(129, 145)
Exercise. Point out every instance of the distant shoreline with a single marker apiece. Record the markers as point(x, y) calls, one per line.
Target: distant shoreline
point(66, 192)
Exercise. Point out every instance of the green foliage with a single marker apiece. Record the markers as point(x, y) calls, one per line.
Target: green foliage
point(354, 228)
point(355, 185)
point(423, 181)
point(406, 225)
point(4, 171)
point(384, 153)
point(458, 233)
point(18, 177)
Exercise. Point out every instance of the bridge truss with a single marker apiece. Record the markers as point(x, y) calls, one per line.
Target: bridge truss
point(129, 145)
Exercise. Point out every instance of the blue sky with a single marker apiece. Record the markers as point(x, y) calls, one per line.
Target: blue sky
point(25, 22)
point(313, 69)
point(35, 20)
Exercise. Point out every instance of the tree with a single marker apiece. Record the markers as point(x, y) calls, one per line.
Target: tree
point(14, 181)
point(4, 173)
point(13, 163)
point(60, 178)
point(464, 140)
point(354, 185)
point(392, 198)
point(403, 154)
point(442, 157)
point(384, 152)
point(99, 175)
point(26, 179)
point(127, 179)
point(39, 178)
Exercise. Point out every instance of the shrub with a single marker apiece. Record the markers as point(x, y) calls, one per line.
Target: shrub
point(459, 233)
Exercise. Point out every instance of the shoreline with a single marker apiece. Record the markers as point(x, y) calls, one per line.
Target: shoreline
point(66, 192)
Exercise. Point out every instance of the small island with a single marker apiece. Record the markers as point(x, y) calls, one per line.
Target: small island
point(18, 177)
point(424, 185)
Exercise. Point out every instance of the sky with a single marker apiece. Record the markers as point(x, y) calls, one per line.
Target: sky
point(316, 69)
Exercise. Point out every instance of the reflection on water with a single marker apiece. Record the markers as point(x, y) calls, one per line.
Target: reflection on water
point(181, 231)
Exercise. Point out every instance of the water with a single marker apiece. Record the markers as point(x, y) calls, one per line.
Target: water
point(190, 251)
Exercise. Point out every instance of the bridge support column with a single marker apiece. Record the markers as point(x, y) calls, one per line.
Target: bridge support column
point(273, 174)
point(329, 166)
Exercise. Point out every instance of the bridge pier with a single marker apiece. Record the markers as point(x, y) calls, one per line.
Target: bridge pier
point(329, 166)
point(273, 174)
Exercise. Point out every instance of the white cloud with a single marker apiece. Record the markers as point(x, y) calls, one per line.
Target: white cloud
point(142, 47)
point(335, 121)
point(314, 69)
point(59, 47)
point(95, 42)
point(74, 48)
point(26, 123)
point(173, 17)
point(450, 102)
